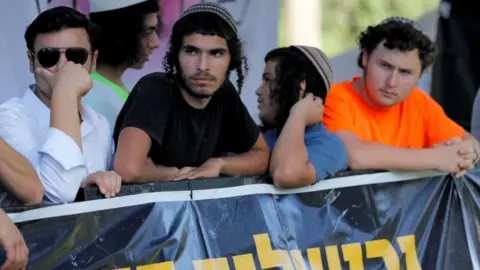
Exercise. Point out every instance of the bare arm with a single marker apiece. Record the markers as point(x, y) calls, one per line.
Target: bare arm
point(64, 114)
point(132, 162)
point(289, 165)
point(375, 156)
point(253, 162)
point(18, 176)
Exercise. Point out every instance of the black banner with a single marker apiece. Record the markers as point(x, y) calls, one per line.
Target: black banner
point(373, 221)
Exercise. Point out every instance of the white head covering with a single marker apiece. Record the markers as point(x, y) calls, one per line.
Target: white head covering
point(107, 5)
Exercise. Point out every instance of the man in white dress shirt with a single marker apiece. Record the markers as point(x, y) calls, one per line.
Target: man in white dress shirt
point(68, 143)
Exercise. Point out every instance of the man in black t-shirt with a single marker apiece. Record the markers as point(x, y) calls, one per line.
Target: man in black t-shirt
point(181, 124)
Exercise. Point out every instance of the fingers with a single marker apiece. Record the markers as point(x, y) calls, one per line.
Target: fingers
point(25, 254)
point(180, 177)
point(460, 174)
point(17, 254)
point(197, 174)
point(183, 173)
point(113, 185)
point(109, 183)
point(115, 182)
point(101, 185)
point(469, 156)
point(465, 150)
point(466, 147)
point(43, 73)
point(118, 181)
point(318, 100)
point(465, 164)
point(11, 260)
point(203, 173)
point(194, 174)
point(21, 258)
point(308, 96)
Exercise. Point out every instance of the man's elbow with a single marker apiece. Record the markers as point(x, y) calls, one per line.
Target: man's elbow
point(287, 177)
point(129, 171)
point(357, 157)
point(33, 194)
point(356, 162)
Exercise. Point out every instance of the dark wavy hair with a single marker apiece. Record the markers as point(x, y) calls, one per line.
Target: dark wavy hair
point(403, 36)
point(292, 68)
point(121, 31)
point(205, 24)
point(56, 19)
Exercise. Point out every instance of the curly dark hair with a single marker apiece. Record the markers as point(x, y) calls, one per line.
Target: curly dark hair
point(205, 24)
point(292, 68)
point(400, 35)
point(56, 19)
point(119, 37)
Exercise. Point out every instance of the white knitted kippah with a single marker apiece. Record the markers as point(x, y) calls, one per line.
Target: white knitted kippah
point(107, 5)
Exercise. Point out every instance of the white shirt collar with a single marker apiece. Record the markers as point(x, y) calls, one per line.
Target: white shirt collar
point(42, 113)
point(39, 110)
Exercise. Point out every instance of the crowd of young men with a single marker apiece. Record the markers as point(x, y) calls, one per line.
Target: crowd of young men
point(79, 125)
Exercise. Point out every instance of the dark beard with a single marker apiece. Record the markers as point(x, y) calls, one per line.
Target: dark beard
point(190, 92)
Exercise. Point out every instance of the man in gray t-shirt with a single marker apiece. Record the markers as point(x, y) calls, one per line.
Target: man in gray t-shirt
point(476, 117)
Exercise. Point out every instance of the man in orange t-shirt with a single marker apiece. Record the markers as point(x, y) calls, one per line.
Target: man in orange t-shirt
point(384, 120)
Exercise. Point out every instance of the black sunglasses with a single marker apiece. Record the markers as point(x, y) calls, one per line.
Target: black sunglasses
point(48, 57)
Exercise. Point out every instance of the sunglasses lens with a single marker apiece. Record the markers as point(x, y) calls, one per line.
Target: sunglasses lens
point(77, 55)
point(48, 57)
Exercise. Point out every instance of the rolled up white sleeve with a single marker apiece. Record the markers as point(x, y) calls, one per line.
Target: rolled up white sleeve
point(55, 156)
point(61, 167)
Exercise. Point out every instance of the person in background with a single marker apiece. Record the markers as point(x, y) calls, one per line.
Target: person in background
point(476, 117)
point(128, 37)
point(181, 124)
point(18, 180)
point(384, 120)
point(296, 79)
point(12, 241)
point(69, 144)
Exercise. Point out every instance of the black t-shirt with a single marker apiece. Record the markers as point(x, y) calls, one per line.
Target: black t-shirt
point(182, 135)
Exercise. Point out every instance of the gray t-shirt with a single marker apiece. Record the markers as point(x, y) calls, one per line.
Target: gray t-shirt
point(476, 117)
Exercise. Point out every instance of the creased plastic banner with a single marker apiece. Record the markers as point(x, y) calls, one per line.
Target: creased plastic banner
point(415, 224)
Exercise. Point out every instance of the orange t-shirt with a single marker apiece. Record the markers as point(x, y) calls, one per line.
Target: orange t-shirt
point(417, 122)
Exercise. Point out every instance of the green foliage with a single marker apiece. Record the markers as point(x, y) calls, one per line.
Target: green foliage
point(343, 20)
